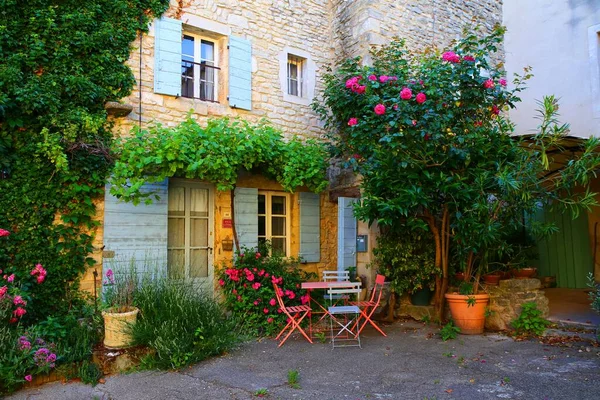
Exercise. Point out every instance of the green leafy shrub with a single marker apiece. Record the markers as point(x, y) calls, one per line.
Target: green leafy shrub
point(249, 292)
point(530, 320)
point(180, 323)
point(449, 331)
point(89, 372)
point(594, 294)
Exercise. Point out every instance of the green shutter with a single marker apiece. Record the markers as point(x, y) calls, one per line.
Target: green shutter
point(346, 234)
point(240, 73)
point(136, 234)
point(310, 227)
point(566, 254)
point(167, 56)
point(246, 216)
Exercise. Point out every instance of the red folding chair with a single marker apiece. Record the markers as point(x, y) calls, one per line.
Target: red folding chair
point(295, 316)
point(368, 307)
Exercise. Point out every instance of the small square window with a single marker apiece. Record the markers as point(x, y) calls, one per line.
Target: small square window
point(295, 75)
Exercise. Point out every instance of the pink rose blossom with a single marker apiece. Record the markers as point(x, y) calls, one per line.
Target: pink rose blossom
point(279, 311)
point(3, 291)
point(13, 320)
point(261, 272)
point(421, 98)
point(360, 89)
point(272, 302)
point(372, 77)
point(28, 378)
point(239, 298)
point(384, 78)
point(19, 312)
point(255, 302)
point(4, 232)
point(352, 121)
point(11, 278)
point(469, 58)
point(414, 122)
point(256, 285)
point(304, 299)
point(18, 300)
point(395, 107)
point(266, 310)
point(40, 279)
point(488, 84)
point(270, 320)
point(406, 94)
point(379, 109)
point(250, 276)
point(234, 291)
point(221, 282)
point(352, 82)
point(502, 82)
point(451, 56)
point(495, 110)
point(257, 256)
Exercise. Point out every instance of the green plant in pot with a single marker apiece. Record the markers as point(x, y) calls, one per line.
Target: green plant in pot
point(406, 258)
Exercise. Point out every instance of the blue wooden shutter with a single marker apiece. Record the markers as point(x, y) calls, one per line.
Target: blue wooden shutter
point(137, 234)
point(246, 216)
point(240, 73)
point(346, 234)
point(310, 227)
point(167, 56)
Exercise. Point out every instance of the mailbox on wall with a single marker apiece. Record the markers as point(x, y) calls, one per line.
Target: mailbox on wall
point(362, 245)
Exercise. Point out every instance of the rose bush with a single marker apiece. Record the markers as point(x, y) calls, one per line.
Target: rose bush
point(249, 292)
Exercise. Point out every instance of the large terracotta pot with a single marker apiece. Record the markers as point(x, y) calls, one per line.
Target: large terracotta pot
point(116, 332)
point(470, 319)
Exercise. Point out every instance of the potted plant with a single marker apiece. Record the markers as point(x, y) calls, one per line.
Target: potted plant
point(468, 309)
point(120, 313)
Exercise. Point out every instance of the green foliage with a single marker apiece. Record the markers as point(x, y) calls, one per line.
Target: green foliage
point(449, 331)
point(428, 134)
point(249, 292)
point(530, 320)
point(594, 294)
point(215, 153)
point(293, 378)
point(407, 260)
point(89, 372)
point(181, 324)
point(60, 64)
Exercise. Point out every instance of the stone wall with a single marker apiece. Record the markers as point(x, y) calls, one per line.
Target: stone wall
point(507, 298)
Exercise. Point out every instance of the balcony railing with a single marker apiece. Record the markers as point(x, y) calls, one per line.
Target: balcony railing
point(199, 80)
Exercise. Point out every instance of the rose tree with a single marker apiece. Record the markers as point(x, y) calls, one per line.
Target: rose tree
point(426, 133)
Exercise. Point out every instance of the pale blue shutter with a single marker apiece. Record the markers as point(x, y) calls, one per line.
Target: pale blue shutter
point(240, 73)
point(136, 234)
point(167, 56)
point(310, 227)
point(246, 216)
point(346, 234)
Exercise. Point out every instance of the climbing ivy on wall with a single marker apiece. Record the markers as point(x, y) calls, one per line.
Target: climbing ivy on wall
point(61, 61)
point(215, 153)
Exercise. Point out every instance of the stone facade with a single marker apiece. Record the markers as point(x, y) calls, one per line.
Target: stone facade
point(327, 31)
point(507, 298)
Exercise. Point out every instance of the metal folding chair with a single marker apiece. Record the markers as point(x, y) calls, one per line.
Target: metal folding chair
point(332, 276)
point(368, 307)
point(346, 319)
point(295, 316)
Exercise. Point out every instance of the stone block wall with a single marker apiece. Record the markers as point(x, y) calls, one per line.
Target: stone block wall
point(507, 298)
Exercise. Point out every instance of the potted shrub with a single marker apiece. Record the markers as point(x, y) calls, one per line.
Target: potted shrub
point(468, 309)
point(120, 313)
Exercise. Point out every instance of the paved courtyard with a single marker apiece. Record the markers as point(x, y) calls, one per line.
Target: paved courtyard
point(411, 363)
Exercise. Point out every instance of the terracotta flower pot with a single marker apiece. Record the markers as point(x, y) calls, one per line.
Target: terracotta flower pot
point(524, 273)
point(116, 332)
point(459, 276)
point(469, 318)
point(492, 279)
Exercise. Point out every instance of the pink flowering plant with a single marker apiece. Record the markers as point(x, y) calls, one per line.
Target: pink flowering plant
point(428, 133)
point(248, 289)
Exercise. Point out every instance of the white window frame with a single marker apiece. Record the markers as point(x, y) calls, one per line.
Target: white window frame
point(288, 217)
point(198, 59)
point(309, 75)
point(187, 185)
point(299, 84)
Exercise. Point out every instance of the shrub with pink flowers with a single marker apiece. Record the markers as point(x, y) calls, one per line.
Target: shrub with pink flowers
point(428, 133)
point(249, 292)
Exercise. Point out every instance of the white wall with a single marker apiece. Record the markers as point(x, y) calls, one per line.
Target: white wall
point(560, 40)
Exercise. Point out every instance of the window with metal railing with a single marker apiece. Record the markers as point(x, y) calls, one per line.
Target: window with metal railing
point(199, 72)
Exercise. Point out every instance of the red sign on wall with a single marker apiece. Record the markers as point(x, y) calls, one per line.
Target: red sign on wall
point(227, 223)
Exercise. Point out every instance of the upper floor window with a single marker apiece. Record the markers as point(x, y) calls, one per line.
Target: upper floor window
point(274, 220)
point(295, 75)
point(199, 70)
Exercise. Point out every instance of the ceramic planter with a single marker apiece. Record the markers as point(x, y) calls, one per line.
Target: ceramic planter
point(492, 279)
point(469, 318)
point(116, 332)
point(524, 273)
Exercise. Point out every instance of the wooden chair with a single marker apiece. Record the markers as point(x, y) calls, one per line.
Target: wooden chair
point(295, 316)
point(368, 307)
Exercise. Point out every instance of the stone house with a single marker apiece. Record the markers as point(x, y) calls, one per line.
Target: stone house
point(256, 59)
